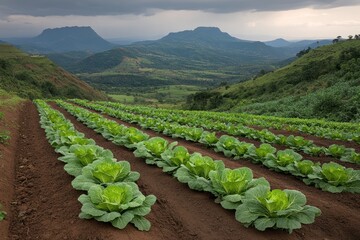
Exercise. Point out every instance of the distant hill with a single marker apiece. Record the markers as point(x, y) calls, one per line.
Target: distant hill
point(279, 42)
point(64, 39)
point(210, 35)
point(34, 76)
point(296, 46)
point(205, 56)
point(323, 83)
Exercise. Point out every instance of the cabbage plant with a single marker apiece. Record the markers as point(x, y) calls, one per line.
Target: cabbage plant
point(338, 151)
point(192, 134)
point(195, 172)
point(335, 178)
point(241, 149)
point(304, 168)
point(152, 149)
point(281, 209)
point(259, 154)
point(226, 144)
point(266, 136)
point(314, 150)
point(172, 159)
point(104, 172)
point(64, 137)
point(352, 157)
point(208, 138)
point(230, 185)
point(130, 137)
point(111, 129)
point(298, 142)
point(82, 155)
point(283, 160)
point(119, 204)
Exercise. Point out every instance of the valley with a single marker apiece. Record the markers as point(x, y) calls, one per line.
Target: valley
point(195, 134)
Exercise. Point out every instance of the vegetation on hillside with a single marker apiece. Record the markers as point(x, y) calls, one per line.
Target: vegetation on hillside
point(34, 76)
point(323, 83)
point(201, 57)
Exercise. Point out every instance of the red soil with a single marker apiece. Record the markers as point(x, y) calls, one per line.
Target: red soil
point(45, 206)
point(9, 122)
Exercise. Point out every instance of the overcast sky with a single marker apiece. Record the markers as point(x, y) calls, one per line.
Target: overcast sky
point(152, 19)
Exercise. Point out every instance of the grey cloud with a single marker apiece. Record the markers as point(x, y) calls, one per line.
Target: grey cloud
point(115, 7)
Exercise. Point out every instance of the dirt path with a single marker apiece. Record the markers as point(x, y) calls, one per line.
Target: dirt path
point(341, 212)
point(10, 122)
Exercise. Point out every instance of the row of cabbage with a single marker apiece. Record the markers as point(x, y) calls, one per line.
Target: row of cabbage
point(252, 199)
point(331, 177)
point(297, 143)
point(321, 128)
point(112, 194)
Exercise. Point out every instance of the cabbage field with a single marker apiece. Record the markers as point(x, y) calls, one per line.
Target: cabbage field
point(104, 170)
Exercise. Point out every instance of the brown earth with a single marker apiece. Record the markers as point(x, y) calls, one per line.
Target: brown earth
point(45, 206)
point(340, 212)
point(9, 122)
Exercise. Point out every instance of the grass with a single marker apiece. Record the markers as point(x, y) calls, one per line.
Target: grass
point(8, 51)
point(2, 214)
point(324, 83)
point(123, 98)
point(280, 76)
point(35, 76)
point(4, 136)
point(165, 96)
point(8, 100)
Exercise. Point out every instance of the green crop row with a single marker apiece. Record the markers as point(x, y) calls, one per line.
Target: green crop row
point(297, 143)
point(316, 127)
point(112, 194)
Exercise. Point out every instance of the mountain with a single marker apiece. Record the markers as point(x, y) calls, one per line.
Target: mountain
point(205, 56)
point(323, 83)
point(64, 39)
point(210, 35)
point(297, 46)
point(279, 42)
point(34, 76)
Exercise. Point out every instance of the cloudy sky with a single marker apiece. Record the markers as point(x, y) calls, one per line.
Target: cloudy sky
point(152, 19)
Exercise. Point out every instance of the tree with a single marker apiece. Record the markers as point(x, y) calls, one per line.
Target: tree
point(303, 52)
point(350, 37)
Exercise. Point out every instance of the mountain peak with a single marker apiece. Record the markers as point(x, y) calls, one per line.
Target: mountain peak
point(53, 33)
point(208, 29)
point(72, 38)
point(201, 34)
point(279, 42)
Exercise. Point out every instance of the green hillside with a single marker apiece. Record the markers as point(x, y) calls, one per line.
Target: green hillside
point(202, 57)
point(323, 83)
point(34, 76)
